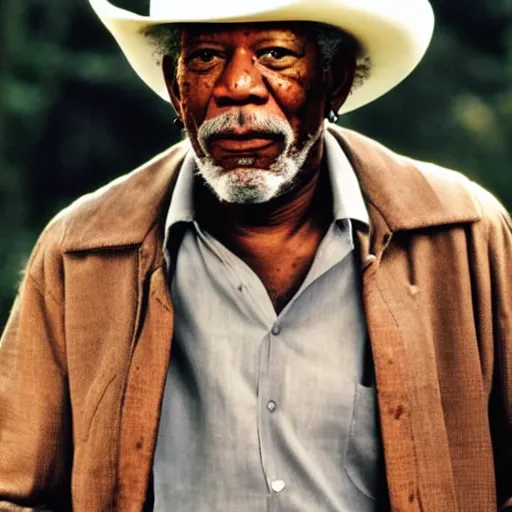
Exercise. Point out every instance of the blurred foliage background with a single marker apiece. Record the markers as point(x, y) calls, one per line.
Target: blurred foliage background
point(73, 115)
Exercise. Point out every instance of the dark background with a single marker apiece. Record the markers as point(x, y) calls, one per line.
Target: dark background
point(73, 115)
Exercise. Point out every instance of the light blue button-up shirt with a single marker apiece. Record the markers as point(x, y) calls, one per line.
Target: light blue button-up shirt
point(264, 411)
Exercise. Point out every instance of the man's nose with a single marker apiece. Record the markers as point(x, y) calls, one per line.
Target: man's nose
point(241, 82)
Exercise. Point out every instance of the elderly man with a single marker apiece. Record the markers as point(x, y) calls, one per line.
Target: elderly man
point(275, 314)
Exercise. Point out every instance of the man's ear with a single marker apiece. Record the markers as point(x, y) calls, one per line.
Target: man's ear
point(339, 76)
point(169, 71)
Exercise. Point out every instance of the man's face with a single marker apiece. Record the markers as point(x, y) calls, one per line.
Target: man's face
point(252, 98)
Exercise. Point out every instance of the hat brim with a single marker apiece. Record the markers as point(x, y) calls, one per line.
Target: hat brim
point(394, 35)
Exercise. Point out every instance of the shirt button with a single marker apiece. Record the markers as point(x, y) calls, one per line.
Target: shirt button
point(271, 406)
point(276, 330)
point(278, 485)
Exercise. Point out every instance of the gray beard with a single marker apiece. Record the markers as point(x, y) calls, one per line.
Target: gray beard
point(251, 185)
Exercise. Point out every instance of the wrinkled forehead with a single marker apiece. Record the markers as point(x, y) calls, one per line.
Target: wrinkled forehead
point(299, 32)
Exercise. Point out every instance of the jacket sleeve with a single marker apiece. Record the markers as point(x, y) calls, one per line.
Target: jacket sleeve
point(35, 426)
point(500, 410)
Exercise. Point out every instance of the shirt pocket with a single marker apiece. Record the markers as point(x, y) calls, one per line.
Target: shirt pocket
point(363, 451)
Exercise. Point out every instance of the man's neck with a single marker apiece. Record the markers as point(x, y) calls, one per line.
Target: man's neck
point(279, 219)
point(277, 240)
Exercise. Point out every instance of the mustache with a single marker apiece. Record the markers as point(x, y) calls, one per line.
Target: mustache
point(230, 123)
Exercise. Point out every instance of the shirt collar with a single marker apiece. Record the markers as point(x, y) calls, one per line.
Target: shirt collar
point(181, 208)
point(347, 198)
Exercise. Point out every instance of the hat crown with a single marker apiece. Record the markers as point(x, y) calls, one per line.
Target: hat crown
point(179, 9)
point(158, 8)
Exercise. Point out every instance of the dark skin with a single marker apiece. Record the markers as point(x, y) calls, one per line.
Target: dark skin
point(275, 68)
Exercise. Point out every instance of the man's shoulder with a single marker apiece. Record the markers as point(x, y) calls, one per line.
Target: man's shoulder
point(121, 212)
point(442, 179)
point(414, 193)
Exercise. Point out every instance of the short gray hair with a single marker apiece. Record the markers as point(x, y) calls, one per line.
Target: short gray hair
point(166, 40)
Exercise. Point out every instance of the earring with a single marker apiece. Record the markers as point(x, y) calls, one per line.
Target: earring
point(178, 124)
point(332, 116)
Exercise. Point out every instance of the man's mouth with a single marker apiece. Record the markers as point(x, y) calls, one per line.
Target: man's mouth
point(248, 144)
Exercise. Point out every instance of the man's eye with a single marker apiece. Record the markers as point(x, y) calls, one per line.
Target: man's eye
point(202, 57)
point(276, 53)
point(277, 58)
point(206, 55)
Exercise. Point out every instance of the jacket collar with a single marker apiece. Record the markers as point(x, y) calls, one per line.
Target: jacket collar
point(408, 194)
point(122, 213)
point(401, 194)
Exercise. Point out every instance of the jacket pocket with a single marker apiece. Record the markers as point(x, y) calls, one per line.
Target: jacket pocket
point(363, 452)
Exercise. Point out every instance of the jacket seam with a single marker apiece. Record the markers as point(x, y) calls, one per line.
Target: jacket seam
point(160, 301)
point(59, 359)
point(43, 293)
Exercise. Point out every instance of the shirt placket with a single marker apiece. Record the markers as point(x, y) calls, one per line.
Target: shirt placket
point(270, 393)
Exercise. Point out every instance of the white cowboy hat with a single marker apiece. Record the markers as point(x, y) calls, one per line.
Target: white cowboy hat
point(394, 34)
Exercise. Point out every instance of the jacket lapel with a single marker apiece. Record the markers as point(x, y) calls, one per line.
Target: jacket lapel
point(143, 395)
point(390, 368)
point(416, 450)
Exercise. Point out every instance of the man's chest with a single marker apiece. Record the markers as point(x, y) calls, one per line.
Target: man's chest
point(268, 400)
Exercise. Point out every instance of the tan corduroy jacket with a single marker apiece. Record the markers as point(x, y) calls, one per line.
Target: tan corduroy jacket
point(84, 356)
